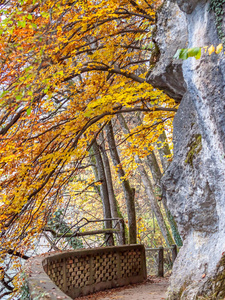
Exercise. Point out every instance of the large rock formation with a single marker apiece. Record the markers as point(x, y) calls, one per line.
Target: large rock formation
point(167, 74)
point(195, 181)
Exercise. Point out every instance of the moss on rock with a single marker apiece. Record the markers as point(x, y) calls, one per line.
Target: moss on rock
point(214, 288)
point(195, 148)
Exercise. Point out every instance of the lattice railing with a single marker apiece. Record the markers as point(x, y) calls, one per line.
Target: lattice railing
point(83, 272)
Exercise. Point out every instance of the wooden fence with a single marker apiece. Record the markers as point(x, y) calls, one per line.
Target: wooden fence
point(160, 257)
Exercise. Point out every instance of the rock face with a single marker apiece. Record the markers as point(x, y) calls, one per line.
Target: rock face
point(167, 74)
point(187, 6)
point(195, 181)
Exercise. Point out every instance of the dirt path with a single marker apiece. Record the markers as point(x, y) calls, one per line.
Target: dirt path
point(152, 289)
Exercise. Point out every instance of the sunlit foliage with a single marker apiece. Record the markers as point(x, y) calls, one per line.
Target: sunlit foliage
point(67, 68)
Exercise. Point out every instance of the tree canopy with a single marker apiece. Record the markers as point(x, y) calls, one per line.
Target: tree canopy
point(67, 69)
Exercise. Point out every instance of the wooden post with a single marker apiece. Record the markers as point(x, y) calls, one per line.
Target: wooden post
point(174, 252)
point(160, 262)
point(122, 230)
point(109, 240)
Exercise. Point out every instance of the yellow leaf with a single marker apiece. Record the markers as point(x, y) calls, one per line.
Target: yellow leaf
point(205, 48)
point(219, 48)
point(211, 49)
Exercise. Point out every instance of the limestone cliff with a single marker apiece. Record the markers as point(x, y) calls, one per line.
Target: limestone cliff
point(195, 181)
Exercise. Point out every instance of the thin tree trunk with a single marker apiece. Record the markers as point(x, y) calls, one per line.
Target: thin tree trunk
point(149, 190)
point(154, 167)
point(128, 191)
point(103, 191)
point(95, 170)
point(115, 212)
point(173, 224)
point(154, 203)
point(157, 175)
point(164, 151)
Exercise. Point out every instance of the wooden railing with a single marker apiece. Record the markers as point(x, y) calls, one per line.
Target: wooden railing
point(75, 231)
point(160, 259)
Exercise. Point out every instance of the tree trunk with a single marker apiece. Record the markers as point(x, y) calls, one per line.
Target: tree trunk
point(164, 151)
point(115, 211)
point(157, 175)
point(153, 165)
point(128, 191)
point(154, 203)
point(103, 191)
point(95, 170)
point(173, 224)
point(149, 190)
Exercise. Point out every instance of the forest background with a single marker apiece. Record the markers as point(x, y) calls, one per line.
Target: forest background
point(83, 135)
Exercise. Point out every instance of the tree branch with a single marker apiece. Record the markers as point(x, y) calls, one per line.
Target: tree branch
point(126, 12)
point(92, 232)
point(105, 68)
point(18, 254)
point(138, 8)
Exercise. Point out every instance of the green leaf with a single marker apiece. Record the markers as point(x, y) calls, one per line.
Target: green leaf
point(21, 23)
point(148, 46)
point(28, 111)
point(183, 54)
point(11, 30)
point(4, 93)
point(194, 52)
point(27, 69)
point(45, 15)
point(34, 25)
point(199, 54)
point(177, 54)
point(18, 97)
point(29, 17)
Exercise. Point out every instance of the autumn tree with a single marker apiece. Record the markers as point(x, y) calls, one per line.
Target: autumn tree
point(67, 68)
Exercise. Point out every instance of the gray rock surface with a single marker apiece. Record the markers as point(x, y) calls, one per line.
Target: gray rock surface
point(167, 74)
point(187, 6)
point(195, 181)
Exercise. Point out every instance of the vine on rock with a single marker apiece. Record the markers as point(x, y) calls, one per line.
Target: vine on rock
point(217, 7)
